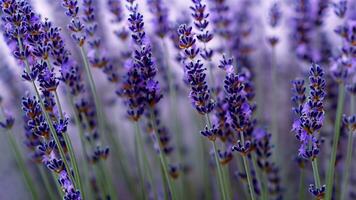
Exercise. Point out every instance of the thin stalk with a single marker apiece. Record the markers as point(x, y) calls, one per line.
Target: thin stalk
point(274, 106)
point(347, 169)
point(331, 169)
point(72, 156)
point(259, 177)
point(147, 172)
point(174, 106)
point(247, 170)
point(97, 100)
point(301, 184)
point(47, 184)
point(249, 178)
point(139, 163)
point(21, 164)
point(227, 183)
point(218, 165)
point(48, 120)
point(82, 140)
point(163, 160)
point(316, 173)
point(205, 171)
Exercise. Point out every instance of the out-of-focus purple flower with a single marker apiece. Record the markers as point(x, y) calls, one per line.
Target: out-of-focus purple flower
point(8, 123)
point(340, 8)
point(310, 113)
point(220, 18)
point(275, 15)
point(115, 7)
point(344, 64)
point(160, 19)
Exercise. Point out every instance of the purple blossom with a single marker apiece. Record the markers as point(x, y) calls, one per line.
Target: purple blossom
point(310, 112)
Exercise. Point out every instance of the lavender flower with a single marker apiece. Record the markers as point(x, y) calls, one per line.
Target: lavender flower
point(310, 113)
point(239, 112)
point(275, 14)
point(194, 71)
point(160, 20)
point(115, 8)
point(46, 149)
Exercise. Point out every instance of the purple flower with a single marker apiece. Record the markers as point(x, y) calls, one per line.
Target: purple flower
point(43, 146)
point(160, 20)
point(239, 111)
point(115, 8)
point(275, 14)
point(310, 112)
point(340, 8)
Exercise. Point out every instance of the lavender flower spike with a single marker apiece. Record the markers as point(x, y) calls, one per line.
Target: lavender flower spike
point(310, 118)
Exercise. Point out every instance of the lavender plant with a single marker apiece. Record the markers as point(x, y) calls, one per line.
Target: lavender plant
point(100, 94)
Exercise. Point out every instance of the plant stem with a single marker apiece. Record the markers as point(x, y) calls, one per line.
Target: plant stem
point(47, 184)
point(347, 169)
point(274, 105)
point(142, 159)
point(97, 100)
point(247, 170)
point(72, 156)
point(21, 164)
point(83, 143)
point(249, 178)
point(163, 160)
point(301, 184)
point(316, 173)
point(218, 165)
point(259, 177)
point(331, 169)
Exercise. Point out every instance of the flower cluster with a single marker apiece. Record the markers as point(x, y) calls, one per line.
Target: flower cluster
point(221, 18)
point(44, 147)
point(139, 88)
point(160, 20)
point(194, 72)
point(310, 113)
point(201, 23)
point(239, 112)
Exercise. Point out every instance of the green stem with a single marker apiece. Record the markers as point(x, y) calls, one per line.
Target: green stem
point(316, 173)
point(274, 105)
point(83, 143)
point(97, 100)
point(21, 163)
point(143, 161)
point(249, 178)
point(259, 177)
point(345, 180)
point(47, 184)
point(139, 162)
point(176, 122)
point(163, 160)
point(218, 165)
point(226, 180)
point(331, 169)
point(72, 156)
point(301, 184)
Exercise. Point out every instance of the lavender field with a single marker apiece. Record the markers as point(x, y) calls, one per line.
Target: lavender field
point(177, 99)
